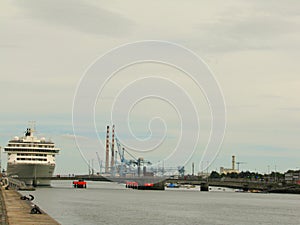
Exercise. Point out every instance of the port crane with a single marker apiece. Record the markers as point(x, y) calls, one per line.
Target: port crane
point(181, 171)
point(124, 162)
point(100, 162)
point(134, 161)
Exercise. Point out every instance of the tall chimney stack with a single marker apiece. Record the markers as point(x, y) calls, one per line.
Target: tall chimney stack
point(107, 150)
point(193, 167)
point(112, 162)
point(233, 162)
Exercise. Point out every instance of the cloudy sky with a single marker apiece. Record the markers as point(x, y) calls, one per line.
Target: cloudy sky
point(252, 48)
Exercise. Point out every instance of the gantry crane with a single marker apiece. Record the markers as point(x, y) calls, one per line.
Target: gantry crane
point(134, 161)
point(100, 162)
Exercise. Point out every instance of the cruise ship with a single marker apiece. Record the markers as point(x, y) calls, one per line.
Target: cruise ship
point(30, 158)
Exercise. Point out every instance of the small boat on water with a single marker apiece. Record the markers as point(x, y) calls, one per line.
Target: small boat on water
point(172, 185)
point(79, 184)
point(132, 184)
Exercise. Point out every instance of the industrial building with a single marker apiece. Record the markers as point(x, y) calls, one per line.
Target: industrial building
point(292, 177)
point(229, 170)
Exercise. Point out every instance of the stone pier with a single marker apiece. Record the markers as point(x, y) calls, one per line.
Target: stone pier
point(16, 211)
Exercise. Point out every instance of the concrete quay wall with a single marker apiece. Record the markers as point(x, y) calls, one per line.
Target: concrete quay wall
point(15, 211)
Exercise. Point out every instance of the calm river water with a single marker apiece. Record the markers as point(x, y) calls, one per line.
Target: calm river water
point(111, 203)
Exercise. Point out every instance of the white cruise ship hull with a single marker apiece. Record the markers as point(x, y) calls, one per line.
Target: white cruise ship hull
point(30, 173)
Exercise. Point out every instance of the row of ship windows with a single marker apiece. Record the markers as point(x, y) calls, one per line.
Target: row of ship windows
point(24, 154)
point(31, 159)
point(31, 150)
point(29, 145)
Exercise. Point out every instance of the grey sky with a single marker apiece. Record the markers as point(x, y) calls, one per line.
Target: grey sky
point(251, 46)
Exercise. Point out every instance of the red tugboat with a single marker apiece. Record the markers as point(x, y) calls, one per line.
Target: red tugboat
point(79, 184)
point(136, 185)
point(132, 184)
point(146, 186)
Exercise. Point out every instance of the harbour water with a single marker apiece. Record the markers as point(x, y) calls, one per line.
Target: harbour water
point(111, 203)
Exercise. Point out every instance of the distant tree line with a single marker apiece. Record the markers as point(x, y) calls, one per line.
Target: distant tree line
point(248, 175)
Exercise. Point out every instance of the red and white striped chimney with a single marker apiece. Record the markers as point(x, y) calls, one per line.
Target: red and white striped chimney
point(107, 150)
point(112, 162)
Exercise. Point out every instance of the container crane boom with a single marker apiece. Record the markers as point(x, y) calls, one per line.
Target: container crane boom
point(134, 161)
point(100, 162)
